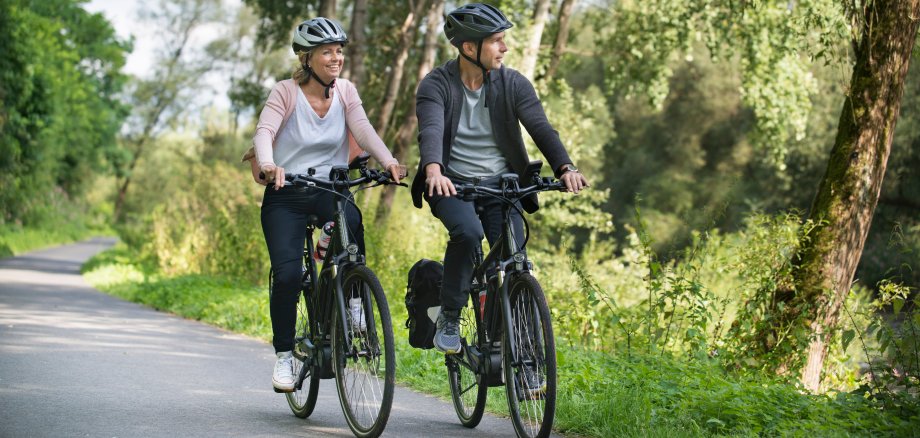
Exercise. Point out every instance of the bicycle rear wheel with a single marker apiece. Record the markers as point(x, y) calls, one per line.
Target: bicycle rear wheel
point(466, 388)
point(303, 399)
point(365, 363)
point(529, 360)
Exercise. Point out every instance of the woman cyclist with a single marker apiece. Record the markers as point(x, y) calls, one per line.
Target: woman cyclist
point(309, 121)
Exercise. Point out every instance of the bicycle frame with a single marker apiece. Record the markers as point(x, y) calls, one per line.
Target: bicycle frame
point(489, 273)
point(340, 254)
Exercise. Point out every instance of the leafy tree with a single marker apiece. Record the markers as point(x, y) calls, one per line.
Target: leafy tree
point(771, 38)
point(279, 18)
point(160, 100)
point(60, 77)
point(845, 203)
point(252, 68)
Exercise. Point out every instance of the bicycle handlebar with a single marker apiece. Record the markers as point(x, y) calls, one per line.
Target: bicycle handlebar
point(340, 178)
point(510, 189)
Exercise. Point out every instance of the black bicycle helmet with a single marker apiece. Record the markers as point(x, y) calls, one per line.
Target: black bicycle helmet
point(474, 22)
point(316, 32)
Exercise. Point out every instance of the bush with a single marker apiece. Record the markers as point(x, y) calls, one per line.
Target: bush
point(213, 229)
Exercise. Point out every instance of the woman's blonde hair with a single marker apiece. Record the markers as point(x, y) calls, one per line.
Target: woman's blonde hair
point(301, 76)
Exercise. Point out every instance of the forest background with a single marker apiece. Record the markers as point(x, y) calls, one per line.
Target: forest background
point(706, 128)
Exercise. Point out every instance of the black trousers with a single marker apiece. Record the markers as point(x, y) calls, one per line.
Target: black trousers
point(284, 221)
point(467, 223)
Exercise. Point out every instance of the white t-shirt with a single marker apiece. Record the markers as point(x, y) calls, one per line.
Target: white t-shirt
point(310, 141)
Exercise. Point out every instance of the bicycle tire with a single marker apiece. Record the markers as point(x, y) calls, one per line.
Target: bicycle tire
point(303, 399)
point(365, 375)
point(466, 389)
point(530, 379)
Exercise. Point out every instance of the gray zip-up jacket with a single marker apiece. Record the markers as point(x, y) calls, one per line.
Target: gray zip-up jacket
point(512, 101)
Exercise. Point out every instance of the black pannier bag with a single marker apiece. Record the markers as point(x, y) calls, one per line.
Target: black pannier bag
point(423, 302)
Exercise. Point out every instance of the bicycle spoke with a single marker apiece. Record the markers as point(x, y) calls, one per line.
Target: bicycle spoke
point(469, 396)
point(364, 366)
point(303, 399)
point(531, 370)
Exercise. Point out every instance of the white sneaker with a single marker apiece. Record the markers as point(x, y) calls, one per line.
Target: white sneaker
point(356, 308)
point(283, 377)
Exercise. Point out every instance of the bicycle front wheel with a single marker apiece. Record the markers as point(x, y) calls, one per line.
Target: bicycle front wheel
point(365, 363)
point(466, 388)
point(529, 360)
point(303, 399)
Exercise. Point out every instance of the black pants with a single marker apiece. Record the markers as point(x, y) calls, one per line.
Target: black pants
point(284, 220)
point(467, 223)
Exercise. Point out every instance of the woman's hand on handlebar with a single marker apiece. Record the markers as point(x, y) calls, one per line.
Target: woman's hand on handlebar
point(397, 172)
point(257, 174)
point(438, 183)
point(273, 173)
point(574, 181)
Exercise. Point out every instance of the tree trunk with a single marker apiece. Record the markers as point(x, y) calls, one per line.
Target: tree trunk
point(327, 8)
point(562, 37)
point(357, 42)
point(407, 130)
point(532, 47)
point(406, 37)
point(848, 194)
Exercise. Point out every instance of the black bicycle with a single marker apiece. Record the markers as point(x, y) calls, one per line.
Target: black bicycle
point(506, 332)
point(343, 327)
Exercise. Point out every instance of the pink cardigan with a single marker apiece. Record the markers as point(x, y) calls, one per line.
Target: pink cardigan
point(280, 106)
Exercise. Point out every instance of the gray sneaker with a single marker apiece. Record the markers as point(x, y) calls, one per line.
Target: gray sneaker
point(447, 337)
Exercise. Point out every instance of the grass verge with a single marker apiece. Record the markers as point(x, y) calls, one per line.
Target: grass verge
point(599, 395)
point(15, 240)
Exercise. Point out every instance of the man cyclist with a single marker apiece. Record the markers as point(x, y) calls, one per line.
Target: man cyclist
point(469, 111)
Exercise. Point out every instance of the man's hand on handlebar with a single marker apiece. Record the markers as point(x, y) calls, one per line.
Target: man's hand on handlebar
point(438, 183)
point(574, 181)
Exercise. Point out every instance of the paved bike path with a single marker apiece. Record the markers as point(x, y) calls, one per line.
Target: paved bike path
point(77, 362)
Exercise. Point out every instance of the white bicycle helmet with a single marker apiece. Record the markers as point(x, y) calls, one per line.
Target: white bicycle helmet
point(316, 32)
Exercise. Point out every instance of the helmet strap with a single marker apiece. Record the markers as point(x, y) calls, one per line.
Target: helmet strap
point(328, 86)
point(477, 62)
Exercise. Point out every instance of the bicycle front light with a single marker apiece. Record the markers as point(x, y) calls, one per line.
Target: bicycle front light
point(519, 261)
point(352, 250)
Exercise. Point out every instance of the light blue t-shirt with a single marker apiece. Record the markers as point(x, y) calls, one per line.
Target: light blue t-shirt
point(474, 152)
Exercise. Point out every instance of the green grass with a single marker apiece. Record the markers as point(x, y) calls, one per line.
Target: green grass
point(599, 395)
point(15, 240)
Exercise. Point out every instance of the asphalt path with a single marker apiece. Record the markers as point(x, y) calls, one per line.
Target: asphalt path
point(76, 362)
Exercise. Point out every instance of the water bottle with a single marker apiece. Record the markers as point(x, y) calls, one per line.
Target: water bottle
point(482, 304)
point(325, 236)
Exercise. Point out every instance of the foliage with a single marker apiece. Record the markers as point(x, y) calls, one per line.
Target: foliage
point(221, 302)
point(766, 266)
point(279, 18)
point(718, 114)
point(601, 394)
point(251, 69)
point(213, 230)
point(772, 43)
point(583, 124)
point(62, 221)
point(60, 77)
point(891, 341)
